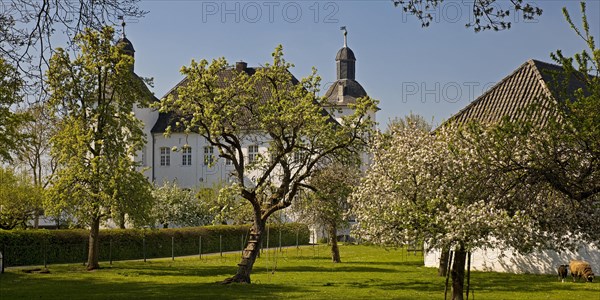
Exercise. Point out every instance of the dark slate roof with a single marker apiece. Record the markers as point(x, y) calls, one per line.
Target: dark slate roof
point(345, 54)
point(344, 92)
point(142, 83)
point(163, 121)
point(127, 45)
point(533, 82)
point(170, 119)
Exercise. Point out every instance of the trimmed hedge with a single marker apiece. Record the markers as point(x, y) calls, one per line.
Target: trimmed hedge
point(36, 247)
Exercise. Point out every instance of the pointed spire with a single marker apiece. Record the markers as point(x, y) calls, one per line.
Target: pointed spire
point(345, 59)
point(126, 45)
point(346, 89)
point(122, 25)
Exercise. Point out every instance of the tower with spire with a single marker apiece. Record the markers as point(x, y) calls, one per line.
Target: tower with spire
point(148, 116)
point(346, 60)
point(345, 90)
point(125, 43)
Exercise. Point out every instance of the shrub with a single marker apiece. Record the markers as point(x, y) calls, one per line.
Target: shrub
point(34, 247)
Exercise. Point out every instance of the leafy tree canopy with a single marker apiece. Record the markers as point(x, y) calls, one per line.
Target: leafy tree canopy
point(99, 135)
point(20, 199)
point(275, 113)
point(10, 120)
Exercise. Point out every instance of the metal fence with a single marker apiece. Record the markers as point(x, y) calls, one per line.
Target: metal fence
point(109, 250)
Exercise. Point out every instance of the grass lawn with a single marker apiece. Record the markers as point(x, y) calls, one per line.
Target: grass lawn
point(366, 273)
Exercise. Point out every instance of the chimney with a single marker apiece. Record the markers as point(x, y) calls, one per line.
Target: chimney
point(241, 66)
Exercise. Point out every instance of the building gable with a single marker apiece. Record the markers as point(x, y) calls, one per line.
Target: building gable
point(533, 83)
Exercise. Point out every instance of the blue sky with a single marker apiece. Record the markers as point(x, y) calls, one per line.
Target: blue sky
point(431, 71)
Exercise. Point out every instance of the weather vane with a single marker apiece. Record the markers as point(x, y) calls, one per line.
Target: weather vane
point(345, 36)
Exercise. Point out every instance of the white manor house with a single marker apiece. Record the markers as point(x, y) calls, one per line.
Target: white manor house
point(190, 161)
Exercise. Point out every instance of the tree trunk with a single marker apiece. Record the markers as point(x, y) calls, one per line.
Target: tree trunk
point(122, 220)
point(458, 273)
point(36, 219)
point(93, 245)
point(335, 251)
point(250, 253)
point(443, 267)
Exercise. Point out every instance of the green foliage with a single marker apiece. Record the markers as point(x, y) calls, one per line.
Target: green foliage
point(27, 247)
point(31, 247)
point(571, 154)
point(99, 136)
point(94, 95)
point(226, 205)
point(20, 199)
point(10, 95)
point(228, 108)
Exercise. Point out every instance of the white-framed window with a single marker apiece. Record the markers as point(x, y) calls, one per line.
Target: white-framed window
point(208, 155)
point(165, 156)
point(186, 156)
point(252, 153)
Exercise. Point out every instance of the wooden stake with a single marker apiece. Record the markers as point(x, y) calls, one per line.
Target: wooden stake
point(450, 259)
point(468, 273)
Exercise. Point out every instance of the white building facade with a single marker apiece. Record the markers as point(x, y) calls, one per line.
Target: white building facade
point(190, 161)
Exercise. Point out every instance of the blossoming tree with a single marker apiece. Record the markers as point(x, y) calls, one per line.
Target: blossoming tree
point(557, 154)
point(432, 188)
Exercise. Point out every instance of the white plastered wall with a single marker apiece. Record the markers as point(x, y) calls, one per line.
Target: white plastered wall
point(509, 261)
